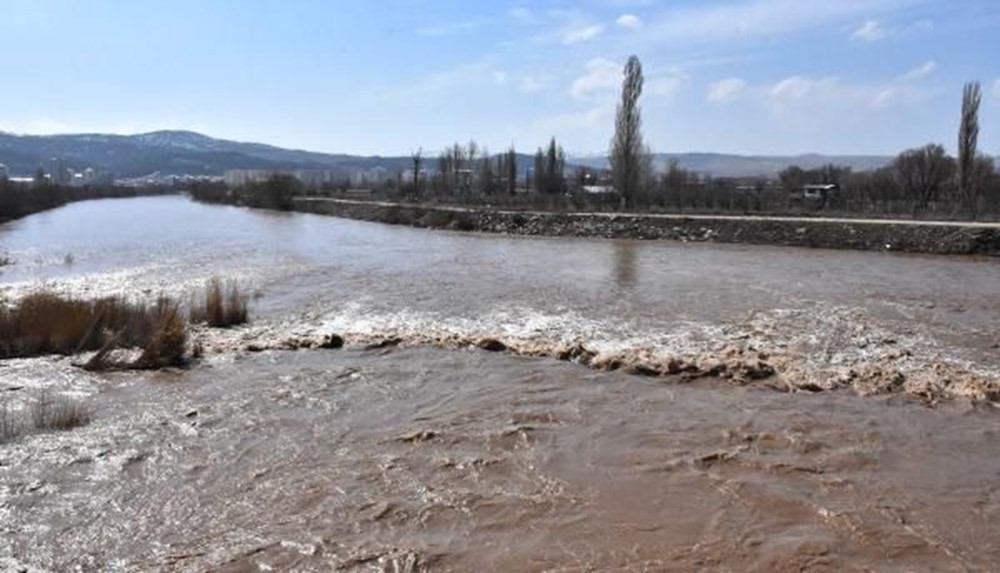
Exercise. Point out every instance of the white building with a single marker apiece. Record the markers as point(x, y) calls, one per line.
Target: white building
point(373, 176)
point(243, 177)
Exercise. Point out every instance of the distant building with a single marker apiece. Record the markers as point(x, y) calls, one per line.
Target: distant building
point(243, 177)
point(598, 189)
point(408, 175)
point(317, 177)
point(3, 172)
point(58, 173)
point(815, 192)
point(373, 176)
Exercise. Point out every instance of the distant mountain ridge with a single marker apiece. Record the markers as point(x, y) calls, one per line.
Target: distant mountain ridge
point(190, 153)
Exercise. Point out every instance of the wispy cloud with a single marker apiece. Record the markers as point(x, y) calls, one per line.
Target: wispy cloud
point(665, 86)
point(869, 31)
point(923, 70)
point(727, 90)
point(804, 92)
point(459, 78)
point(601, 76)
point(597, 116)
point(873, 30)
point(630, 21)
point(580, 35)
point(530, 84)
point(708, 23)
point(799, 87)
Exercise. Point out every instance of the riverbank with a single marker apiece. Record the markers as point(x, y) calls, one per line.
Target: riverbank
point(932, 237)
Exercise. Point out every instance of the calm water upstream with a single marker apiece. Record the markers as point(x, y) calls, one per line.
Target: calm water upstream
point(427, 458)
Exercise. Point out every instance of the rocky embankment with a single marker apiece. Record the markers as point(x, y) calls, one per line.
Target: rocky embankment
point(858, 234)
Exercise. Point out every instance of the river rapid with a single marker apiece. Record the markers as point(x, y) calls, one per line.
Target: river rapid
point(830, 410)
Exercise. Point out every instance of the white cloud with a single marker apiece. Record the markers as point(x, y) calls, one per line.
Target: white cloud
point(923, 70)
point(500, 77)
point(580, 35)
point(630, 21)
point(602, 76)
point(869, 31)
point(727, 90)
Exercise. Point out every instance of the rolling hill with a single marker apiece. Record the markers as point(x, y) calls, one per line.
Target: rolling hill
point(185, 152)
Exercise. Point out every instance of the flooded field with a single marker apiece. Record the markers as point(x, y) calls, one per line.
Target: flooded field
point(827, 411)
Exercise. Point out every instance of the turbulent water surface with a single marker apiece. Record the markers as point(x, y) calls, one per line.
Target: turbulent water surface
point(868, 442)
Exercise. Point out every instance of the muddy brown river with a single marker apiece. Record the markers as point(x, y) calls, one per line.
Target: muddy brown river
point(871, 443)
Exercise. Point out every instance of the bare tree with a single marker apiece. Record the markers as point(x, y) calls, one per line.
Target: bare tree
point(626, 146)
point(968, 136)
point(923, 173)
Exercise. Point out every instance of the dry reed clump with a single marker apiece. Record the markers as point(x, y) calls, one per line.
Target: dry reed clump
point(221, 306)
point(10, 425)
point(48, 323)
point(168, 343)
point(59, 413)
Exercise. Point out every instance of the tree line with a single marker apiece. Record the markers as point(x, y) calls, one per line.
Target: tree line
point(923, 181)
point(22, 199)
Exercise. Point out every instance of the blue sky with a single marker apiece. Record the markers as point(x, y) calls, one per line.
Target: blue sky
point(386, 77)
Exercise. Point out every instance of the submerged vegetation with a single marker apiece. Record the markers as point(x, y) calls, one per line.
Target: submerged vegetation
point(59, 413)
point(48, 412)
point(220, 306)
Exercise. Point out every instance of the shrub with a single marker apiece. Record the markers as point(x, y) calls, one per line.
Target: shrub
point(168, 343)
point(221, 306)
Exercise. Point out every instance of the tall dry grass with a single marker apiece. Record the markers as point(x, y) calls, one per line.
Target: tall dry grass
point(220, 306)
point(48, 323)
point(10, 424)
point(59, 413)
